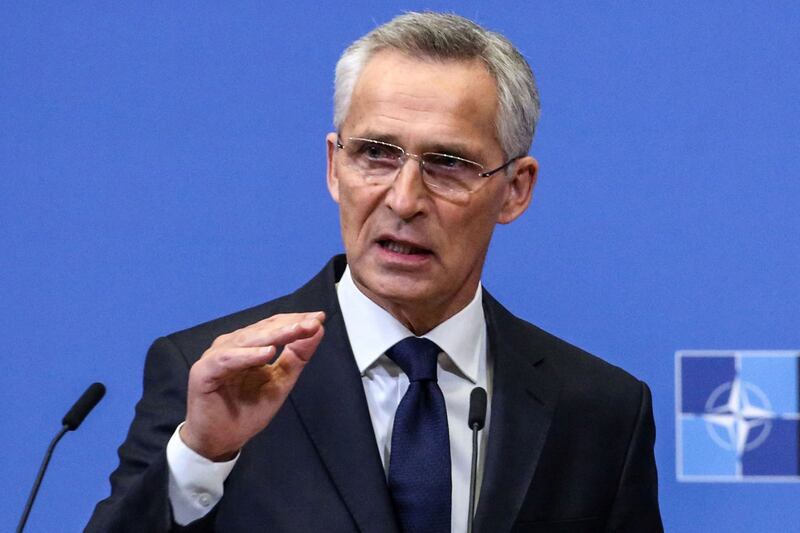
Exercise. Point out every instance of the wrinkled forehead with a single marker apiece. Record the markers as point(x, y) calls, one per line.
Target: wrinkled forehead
point(400, 93)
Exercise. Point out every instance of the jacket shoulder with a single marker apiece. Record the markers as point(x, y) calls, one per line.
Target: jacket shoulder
point(575, 368)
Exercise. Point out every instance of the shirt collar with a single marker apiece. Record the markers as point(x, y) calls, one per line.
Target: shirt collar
point(372, 330)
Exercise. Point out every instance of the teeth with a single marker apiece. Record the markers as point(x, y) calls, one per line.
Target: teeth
point(398, 248)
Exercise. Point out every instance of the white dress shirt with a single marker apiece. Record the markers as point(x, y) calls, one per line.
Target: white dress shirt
point(196, 484)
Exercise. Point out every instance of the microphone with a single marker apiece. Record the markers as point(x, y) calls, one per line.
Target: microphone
point(84, 406)
point(477, 408)
point(77, 413)
point(476, 420)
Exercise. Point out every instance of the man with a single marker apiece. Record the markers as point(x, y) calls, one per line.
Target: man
point(434, 117)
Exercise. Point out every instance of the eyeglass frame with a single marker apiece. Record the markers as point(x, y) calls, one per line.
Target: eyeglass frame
point(418, 157)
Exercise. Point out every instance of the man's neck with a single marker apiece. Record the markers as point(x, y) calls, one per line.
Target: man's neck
point(421, 317)
point(372, 330)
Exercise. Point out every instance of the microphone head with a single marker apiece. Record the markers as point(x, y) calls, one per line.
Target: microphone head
point(93, 394)
point(477, 408)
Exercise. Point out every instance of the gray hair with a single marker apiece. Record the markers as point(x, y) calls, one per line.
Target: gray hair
point(445, 36)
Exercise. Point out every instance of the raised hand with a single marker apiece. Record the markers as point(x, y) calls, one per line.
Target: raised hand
point(234, 391)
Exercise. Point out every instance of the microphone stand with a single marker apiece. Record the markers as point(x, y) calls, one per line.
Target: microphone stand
point(74, 417)
point(475, 421)
point(473, 481)
point(39, 477)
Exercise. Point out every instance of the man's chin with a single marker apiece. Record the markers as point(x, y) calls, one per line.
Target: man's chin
point(390, 288)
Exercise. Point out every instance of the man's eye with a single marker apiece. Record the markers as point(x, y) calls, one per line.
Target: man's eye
point(376, 151)
point(445, 162)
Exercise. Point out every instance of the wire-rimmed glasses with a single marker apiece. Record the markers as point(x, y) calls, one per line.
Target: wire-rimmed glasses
point(448, 175)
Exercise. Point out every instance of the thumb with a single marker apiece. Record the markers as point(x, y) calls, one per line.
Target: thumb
point(296, 354)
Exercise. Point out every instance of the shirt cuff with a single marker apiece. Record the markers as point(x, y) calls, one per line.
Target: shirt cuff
point(195, 483)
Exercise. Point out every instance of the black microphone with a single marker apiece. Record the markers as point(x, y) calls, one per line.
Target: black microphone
point(477, 408)
point(84, 406)
point(70, 422)
point(476, 420)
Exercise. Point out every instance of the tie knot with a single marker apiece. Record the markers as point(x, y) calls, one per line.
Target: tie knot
point(416, 357)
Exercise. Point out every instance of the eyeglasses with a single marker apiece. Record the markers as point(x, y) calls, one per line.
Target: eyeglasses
point(450, 176)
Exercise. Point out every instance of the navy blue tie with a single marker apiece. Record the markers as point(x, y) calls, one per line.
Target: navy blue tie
point(419, 466)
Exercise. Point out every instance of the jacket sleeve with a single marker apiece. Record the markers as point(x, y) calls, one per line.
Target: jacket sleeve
point(139, 499)
point(635, 507)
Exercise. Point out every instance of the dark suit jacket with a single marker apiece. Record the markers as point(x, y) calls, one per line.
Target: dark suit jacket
point(570, 446)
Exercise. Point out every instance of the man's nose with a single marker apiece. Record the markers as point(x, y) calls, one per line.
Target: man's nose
point(408, 193)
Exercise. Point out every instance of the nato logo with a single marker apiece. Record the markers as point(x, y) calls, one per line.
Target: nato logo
point(737, 416)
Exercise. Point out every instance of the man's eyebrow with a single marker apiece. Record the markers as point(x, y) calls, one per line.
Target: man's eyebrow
point(456, 149)
point(450, 147)
point(378, 136)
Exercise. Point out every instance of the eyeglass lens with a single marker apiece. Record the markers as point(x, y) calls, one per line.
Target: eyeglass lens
point(378, 161)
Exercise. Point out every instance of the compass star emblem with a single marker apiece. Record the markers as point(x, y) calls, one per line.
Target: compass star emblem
point(742, 420)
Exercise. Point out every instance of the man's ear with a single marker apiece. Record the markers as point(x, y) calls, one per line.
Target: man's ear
point(520, 189)
point(333, 181)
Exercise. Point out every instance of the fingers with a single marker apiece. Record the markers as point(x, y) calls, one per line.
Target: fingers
point(218, 364)
point(256, 345)
point(230, 360)
point(276, 330)
point(291, 333)
point(295, 355)
point(233, 391)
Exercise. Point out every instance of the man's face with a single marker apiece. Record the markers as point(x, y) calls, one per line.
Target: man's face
point(417, 254)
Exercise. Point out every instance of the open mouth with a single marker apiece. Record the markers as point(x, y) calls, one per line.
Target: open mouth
point(404, 248)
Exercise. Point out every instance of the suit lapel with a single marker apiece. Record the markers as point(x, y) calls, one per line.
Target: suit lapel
point(524, 396)
point(329, 398)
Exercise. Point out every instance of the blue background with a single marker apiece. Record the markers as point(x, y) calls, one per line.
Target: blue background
point(162, 165)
